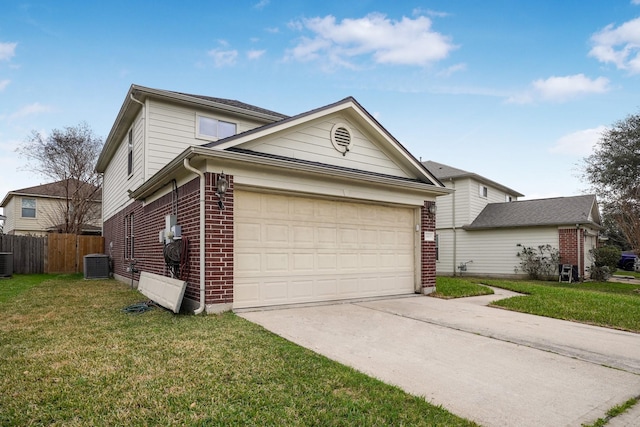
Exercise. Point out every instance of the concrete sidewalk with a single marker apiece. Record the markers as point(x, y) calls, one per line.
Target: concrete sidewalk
point(496, 367)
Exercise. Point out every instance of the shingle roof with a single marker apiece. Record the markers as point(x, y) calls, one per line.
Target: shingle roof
point(555, 211)
point(234, 103)
point(53, 189)
point(445, 172)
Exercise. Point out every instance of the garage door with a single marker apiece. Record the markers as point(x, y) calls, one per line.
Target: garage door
point(291, 249)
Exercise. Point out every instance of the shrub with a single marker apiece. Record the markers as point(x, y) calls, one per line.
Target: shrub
point(540, 262)
point(604, 262)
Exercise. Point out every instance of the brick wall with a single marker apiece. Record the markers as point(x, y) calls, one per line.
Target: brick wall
point(219, 246)
point(428, 249)
point(569, 251)
point(148, 251)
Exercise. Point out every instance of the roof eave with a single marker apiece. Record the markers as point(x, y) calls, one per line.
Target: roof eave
point(159, 180)
point(592, 224)
point(130, 108)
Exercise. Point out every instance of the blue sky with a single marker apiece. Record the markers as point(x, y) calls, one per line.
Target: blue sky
point(516, 91)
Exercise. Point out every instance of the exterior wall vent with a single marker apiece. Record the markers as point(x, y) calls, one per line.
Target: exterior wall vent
point(6, 264)
point(96, 266)
point(341, 138)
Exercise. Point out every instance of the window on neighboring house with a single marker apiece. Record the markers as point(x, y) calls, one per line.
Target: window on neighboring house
point(210, 128)
point(130, 154)
point(28, 208)
point(508, 198)
point(483, 191)
point(129, 237)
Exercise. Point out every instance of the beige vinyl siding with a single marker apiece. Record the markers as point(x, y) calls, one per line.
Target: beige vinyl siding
point(116, 180)
point(312, 143)
point(172, 129)
point(10, 212)
point(494, 252)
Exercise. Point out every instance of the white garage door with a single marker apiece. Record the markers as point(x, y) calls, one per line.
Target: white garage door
point(291, 249)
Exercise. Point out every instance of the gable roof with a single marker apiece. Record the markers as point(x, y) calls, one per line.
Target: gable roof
point(348, 105)
point(137, 95)
point(540, 212)
point(52, 190)
point(445, 172)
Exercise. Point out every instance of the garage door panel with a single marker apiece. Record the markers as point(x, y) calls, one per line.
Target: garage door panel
point(303, 263)
point(276, 262)
point(247, 232)
point(295, 249)
point(249, 262)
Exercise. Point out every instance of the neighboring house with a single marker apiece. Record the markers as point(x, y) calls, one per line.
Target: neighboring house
point(42, 209)
point(271, 209)
point(480, 226)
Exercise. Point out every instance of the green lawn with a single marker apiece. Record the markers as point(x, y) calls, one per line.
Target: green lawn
point(70, 356)
point(608, 304)
point(457, 287)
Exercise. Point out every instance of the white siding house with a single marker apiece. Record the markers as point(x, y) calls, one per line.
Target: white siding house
point(482, 226)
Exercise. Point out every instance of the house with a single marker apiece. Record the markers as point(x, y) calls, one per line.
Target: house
point(255, 208)
point(482, 226)
point(46, 208)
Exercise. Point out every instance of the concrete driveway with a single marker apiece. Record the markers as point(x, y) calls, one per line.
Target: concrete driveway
point(492, 366)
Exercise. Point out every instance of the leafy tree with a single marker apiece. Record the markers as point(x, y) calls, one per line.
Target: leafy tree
point(613, 170)
point(68, 158)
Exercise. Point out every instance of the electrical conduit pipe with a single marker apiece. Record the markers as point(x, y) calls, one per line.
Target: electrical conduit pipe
point(188, 166)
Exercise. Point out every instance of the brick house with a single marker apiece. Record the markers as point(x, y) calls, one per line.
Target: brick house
point(255, 208)
point(480, 227)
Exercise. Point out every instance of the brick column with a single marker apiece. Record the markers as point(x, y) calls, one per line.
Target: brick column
point(570, 253)
point(428, 248)
point(219, 243)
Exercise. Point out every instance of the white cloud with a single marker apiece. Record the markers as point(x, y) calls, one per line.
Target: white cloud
point(447, 72)
point(619, 45)
point(4, 84)
point(255, 54)
point(404, 42)
point(223, 58)
point(635, 1)
point(7, 51)
point(261, 4)
point(434, 13)
point(561, 89)
point(30, 110)
point(578, 143)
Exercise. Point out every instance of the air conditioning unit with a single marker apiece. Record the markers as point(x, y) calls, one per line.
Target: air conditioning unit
point(6, 264)
point(96, 266)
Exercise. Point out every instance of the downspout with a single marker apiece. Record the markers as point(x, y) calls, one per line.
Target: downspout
point(188, 166)
point(453, 223)
point(578, 248)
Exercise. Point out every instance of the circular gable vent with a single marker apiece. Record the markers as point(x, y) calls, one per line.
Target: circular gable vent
point(341, 138)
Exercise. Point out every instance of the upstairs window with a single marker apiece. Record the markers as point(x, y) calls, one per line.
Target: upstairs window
point(508, 198)
point(483, 191)
point(28, 208)
point(130, 154)
point(214, 129)
point(129, 238)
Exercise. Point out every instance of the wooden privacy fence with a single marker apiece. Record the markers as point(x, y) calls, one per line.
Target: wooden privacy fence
point(54, 253)
point(29, 252)
point(65, 252)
